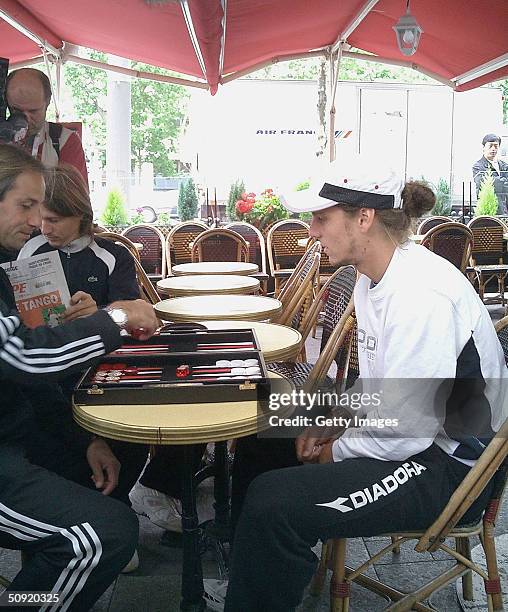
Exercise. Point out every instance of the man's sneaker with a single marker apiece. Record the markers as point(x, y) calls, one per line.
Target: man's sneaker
point(133, 564)
point(163, 510)
point(215, 593)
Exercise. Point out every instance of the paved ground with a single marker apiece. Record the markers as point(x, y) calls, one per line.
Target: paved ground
point(155, 586)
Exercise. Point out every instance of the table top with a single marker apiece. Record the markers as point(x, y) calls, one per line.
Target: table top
point(276, 342)
point(220, 307)
point(215, 267)
point(177, 423)
point(224, 284)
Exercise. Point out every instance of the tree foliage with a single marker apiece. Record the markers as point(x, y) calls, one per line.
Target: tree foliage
point(187, 201)
point(487, 203)
point(443, 205)
point(157, 115)
point(235, 193)
point(114, 212)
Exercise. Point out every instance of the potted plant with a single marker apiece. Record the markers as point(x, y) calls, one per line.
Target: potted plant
point(261, 211)
point(487, 203)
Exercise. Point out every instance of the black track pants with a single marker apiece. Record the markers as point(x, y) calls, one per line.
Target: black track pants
point(286, 511)
point(78, 540)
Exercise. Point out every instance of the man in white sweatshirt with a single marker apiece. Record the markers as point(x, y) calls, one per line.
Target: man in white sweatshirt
point(435, 372)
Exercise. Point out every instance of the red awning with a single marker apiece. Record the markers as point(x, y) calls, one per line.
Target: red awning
point(460, 39)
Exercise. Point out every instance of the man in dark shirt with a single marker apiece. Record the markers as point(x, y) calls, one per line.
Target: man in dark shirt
point(77, 539)
point(498, 168)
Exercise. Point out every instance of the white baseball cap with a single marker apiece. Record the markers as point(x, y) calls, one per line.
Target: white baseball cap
point(355, 182)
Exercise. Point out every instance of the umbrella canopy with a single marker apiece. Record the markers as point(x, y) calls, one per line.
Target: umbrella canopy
point(464, 42)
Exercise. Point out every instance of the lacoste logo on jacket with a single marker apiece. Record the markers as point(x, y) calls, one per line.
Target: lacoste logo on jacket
point(371, 494)
point(92, 279)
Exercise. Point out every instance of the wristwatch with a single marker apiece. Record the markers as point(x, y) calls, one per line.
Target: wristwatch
point(118, 315)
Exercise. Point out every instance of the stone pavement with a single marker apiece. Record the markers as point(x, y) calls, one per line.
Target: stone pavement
point(155, 586)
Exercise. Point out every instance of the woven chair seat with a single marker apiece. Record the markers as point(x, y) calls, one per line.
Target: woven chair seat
point(297, 373)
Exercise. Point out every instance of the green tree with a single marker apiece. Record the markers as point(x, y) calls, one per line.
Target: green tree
point(443, 205)
point(157, 112)
point(114, 212)
point(235, 193)
point(187, 201)
point(487, 203)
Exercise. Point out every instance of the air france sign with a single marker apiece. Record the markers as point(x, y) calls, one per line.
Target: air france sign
point(338, 133)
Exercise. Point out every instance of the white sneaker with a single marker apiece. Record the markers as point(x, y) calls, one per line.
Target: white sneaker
point(215, 593)
point(133, 564)
point(163, 510)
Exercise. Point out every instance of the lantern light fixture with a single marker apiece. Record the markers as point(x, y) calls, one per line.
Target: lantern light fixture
point(408, 32)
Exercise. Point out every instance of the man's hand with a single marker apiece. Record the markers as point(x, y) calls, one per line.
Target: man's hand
point(105, 466)
point(141, 319)
point(310, 444)
point(81, 305)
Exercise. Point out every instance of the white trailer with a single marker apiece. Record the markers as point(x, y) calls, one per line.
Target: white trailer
point(265, 131)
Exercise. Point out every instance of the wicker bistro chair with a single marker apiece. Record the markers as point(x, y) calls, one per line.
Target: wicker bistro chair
point(153, 254)
point(220, 245)
point(431, 222)
point(452, 241)
point(146, 288)
point(492, 464)
point(487, 256)
point(179, 242)
point(283, 249)
point(257, 249)
point(336, 296)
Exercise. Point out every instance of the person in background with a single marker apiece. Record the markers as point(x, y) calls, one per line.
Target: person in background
point(499, 169)
point(28, 91)
point(426, 414)
point(76, 535)
point(96, 266)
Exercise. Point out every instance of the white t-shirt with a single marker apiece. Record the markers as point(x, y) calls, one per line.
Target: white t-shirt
point(427, 346)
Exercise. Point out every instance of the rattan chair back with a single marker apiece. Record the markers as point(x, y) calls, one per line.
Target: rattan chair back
point(430, 222)
point(282, 244)
point(452, 241)
point(287, 291)
point(123, 240)
point(220, 245)
point(146, 289)
point(487, 239)
point(255, 240)
point(153, 253)
point(297, 302)
point(492, 465)
point(179, 242)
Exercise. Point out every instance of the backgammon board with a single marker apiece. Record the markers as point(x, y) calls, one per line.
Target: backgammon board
point(179, 366)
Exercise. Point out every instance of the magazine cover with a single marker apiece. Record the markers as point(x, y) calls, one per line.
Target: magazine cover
point(40, 288)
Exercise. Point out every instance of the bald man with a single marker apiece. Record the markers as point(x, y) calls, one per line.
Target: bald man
point(29, 91)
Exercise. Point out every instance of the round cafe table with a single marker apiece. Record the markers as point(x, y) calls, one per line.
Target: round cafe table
point(223, 284)
point(215, 267)
point(220, 307)
point(187, 425)
point(276, 342)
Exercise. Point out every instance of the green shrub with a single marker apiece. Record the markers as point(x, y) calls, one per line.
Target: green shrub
point(443, 205)
point(187, 201)
point(137, 217)
point(163, 218)
point(115, 213)
point(235, 194)
point(487, 203)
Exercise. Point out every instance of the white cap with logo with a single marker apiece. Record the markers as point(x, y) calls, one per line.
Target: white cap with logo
point(354, 182)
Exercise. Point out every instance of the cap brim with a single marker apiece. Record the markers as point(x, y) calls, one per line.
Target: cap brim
point(307, 200)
